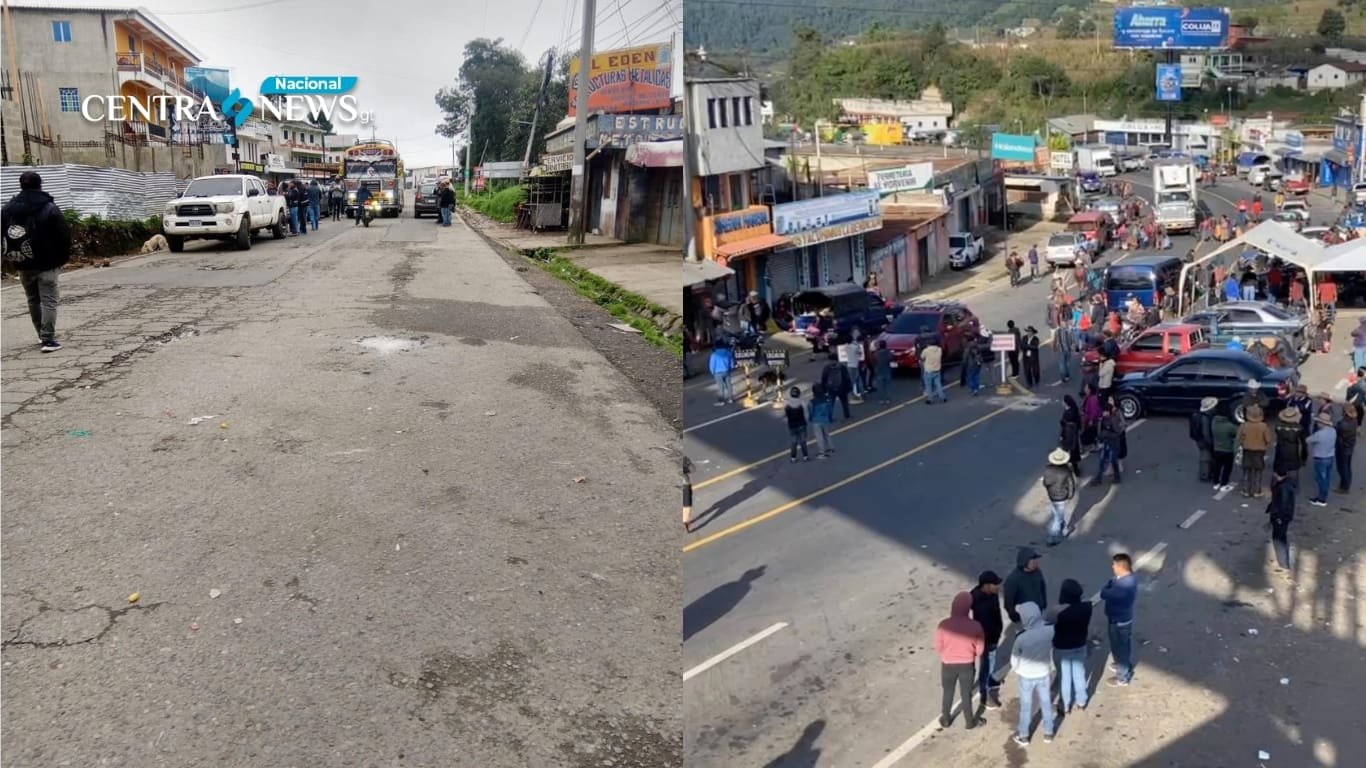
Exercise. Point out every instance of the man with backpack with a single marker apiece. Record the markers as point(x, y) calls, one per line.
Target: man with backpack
point(37, 242)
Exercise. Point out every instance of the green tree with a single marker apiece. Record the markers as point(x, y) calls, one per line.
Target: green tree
point(1069, 24)
point(489, 89)
point(935, 38)
point(1332, 25)
point(807, 95)
point(1247, 20)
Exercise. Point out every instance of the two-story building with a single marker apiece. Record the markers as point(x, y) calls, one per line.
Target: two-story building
point(87, 77)
point(1341, 165)
point(726, 149)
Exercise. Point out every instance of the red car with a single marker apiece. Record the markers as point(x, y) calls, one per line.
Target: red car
point(1152, 348)
point(1297, 185)
point(948, 320)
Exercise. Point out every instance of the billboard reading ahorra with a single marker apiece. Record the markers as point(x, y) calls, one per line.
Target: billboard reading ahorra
point(626, 80)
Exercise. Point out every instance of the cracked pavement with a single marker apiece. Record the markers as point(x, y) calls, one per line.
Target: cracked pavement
point(431, 517)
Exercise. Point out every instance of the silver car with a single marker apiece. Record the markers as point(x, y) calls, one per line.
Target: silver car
point(1250, 319)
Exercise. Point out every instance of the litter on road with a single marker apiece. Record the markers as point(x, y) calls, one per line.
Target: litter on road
point(78, 433)
point(133, 598)
point(214, 593)
point(197, 420)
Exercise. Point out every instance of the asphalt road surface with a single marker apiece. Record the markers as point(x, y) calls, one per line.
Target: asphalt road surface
point(380, 503)
point(811, 590)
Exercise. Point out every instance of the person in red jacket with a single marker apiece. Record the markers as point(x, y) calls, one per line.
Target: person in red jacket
point(1328, 295)
point(959, 641)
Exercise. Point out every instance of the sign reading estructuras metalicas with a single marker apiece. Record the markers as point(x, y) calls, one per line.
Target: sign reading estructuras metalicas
point(808, 222)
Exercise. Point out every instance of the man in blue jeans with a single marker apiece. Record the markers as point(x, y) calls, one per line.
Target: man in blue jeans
point(1323, 449)
point(37, 243)
point(721, 364)
point(1032, 659)
point(986, 610)
point(1120, 594)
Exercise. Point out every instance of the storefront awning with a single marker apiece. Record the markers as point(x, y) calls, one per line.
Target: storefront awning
point(752, 245)
point(1336, 157)
point(706, 270)
point(656, 154)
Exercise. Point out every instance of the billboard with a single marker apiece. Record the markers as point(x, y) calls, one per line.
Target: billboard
point(208, 81)
point(626, 80)
point(808, 222)
point(1171, 27)
point(914, 177)
point(1168, 82)
point(1009, 146)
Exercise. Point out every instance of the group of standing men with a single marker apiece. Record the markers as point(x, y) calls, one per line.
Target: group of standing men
point(1040, 641)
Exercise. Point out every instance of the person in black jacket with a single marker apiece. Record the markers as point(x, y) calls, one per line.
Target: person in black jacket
point(1025, 584)
point(1291, 449)
point(37, 243)
point(1061, 486)
point(1069, 432)
point(1014, 356)
point(795, 411)
point(446, 199)
point(1202, 434)
point(1069, 644)
point(986, 610)
point(1031, 357)
point(299, 200)
point(1281, 510)
point(835, 379)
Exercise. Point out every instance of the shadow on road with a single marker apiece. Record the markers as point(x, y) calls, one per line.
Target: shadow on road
point(804, 753)
point(705, 610)
point(730, 501)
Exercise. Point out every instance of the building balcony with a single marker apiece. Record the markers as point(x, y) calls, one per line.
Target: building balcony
point(134, 66)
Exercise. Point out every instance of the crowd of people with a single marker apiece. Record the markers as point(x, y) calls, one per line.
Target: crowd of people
point(1042, 642)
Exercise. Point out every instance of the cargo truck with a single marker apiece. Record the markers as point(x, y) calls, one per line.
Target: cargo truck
point(1174, 193)
point(1096, 159)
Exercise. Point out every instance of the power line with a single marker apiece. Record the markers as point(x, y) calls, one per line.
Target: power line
point(626, 27)
point(529, 24)
point(231, 9)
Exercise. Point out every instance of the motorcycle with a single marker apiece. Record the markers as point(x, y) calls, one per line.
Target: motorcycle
point(369, 213)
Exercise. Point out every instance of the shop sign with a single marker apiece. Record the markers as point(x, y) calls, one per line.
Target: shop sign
point(560, 142)
point(557, 163)
point(915, 177)
point(1294, 139)
point(1009, 146)
point(836, 217)
point(733, 227)
point(251, 167)
point(1060, 162)
point(275, 162)
point(625, 130)
point(626, 80)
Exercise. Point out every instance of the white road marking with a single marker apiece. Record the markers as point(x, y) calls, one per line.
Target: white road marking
point(731, 651)
point(1188, 522)
point(763, 406)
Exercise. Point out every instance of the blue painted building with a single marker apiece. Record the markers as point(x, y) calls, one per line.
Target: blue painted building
point(1340, 163)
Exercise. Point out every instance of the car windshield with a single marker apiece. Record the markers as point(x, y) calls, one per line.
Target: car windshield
point(1062, 241)
point(957, 241)
point(915, 323)
point(213, 187)
point(1276, 312)
point(1174, 197)
point(427, 189)
point(1122, 278)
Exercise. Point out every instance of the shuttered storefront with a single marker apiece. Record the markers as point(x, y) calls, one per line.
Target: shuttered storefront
point(783, 276)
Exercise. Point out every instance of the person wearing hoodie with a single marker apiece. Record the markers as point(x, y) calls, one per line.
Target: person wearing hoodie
point(1359, 344)
point(1323, 450)
point(1025, 584)
point(1202, 434)
point(959, 641)
point(37, 242)
point(721, 364)
point(1254, 437)
point(1281, 511)
point(822, 420)
point(986, 610)
point(315, 203)
point(1347, 427)
point(1070, 629)
point(1291, 449)
point(1120, 594)
point(1032, 659)
point(1061, 486)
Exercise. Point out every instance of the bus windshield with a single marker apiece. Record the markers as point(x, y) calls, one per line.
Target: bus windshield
point(359, 169)
point(1121, 278)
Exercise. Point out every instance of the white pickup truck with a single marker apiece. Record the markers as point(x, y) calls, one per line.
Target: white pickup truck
point(965, 250)
point(228, 207)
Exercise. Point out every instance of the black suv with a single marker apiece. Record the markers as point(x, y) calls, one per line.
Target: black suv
point(426, 200)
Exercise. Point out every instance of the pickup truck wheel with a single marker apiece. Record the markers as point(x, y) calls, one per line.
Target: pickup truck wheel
point(243, 238)
point(278, 228)
point(1240, 414)
point(1130, 407)
point(176, 244)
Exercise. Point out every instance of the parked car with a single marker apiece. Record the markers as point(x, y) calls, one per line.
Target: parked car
point(1096, 229)
point(1062, 248)
point(425, 200)
point(1359, 193)
point(1109, 205)
point(1316, 233)
point(1297, 185)
point(1248, 320)
point(853, 307)
point(965, 250)
point(232, 207)
point(1091, 183)
point(1290, 219)
point(1299, 208)
point(1179, 386)
point(946, 319)
point(1152, 348)
point(1273, 181)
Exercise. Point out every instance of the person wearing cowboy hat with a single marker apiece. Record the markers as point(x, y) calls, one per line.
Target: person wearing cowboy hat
point(1031, 357)
point(1290, 446)
point(1254, 437)
point(1253, 397)
point(1303, 407)
point(1202, 434)
point(1061, 486)
point(1323, 450)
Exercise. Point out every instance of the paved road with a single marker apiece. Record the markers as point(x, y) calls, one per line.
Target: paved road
point(375, 550)
point(812, 590)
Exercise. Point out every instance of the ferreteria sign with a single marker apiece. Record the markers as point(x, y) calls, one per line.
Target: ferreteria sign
point(284, 97)
point(908, 179)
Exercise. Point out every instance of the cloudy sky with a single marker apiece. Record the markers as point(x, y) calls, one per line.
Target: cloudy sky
point(402, 50)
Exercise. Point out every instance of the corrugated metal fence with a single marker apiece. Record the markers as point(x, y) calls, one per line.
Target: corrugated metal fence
point(110, 193)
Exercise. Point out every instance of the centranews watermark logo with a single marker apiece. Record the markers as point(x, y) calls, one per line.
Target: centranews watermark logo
point(283, 97)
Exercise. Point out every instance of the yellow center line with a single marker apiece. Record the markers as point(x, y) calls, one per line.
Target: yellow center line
point(772, 513)
point(812, 441)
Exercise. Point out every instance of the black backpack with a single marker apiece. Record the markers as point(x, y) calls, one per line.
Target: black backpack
point(18, 240)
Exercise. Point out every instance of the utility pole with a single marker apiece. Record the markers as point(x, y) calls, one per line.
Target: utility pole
point(580, 180)
point(1361, 129)
point(536, 113)
point(469, 169)
point(690, 249)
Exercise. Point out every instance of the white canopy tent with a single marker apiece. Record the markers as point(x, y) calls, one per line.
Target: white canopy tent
point(1270, 237)
point(1344, 257)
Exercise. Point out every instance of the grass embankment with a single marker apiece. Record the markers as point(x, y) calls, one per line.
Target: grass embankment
point(631, 309)
point(499, 205)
